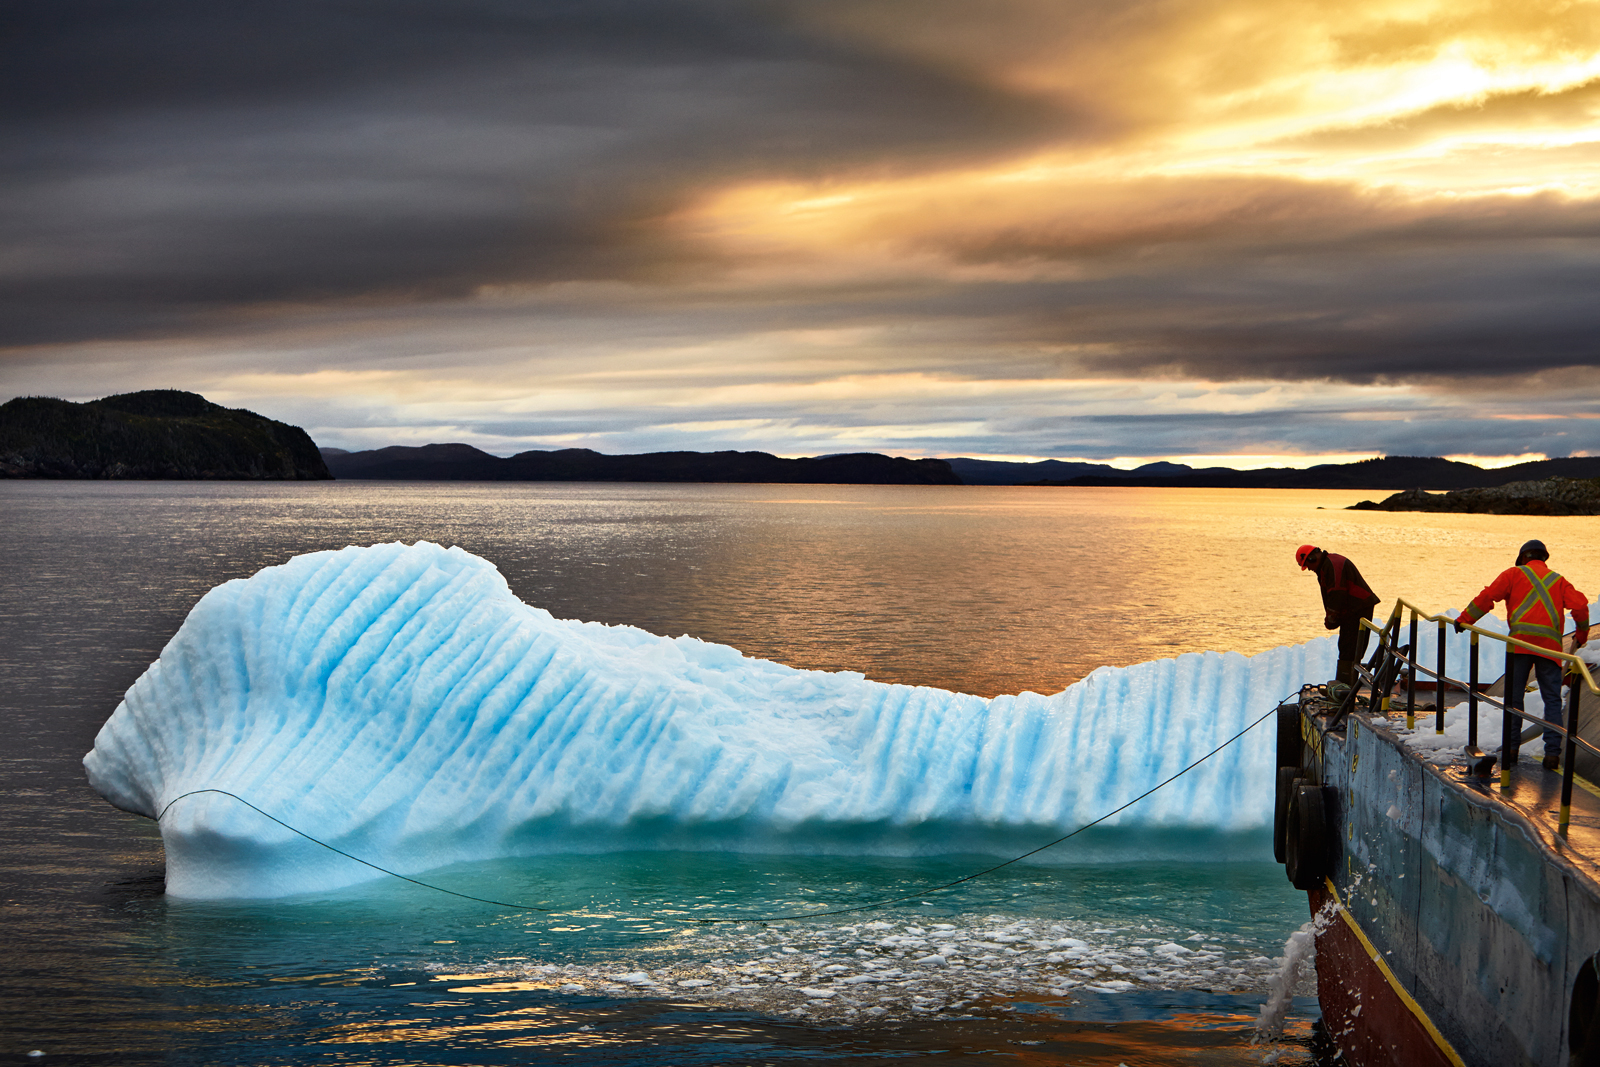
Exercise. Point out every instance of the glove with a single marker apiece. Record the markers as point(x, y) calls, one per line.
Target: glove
point(1582, 636)
point(1457, 625)
point(1330, 621)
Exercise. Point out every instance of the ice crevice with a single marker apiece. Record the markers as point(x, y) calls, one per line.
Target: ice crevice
point(399, 702)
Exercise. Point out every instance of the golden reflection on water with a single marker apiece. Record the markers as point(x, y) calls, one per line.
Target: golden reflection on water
point(1050, 1036)
point(556, 1024)
point(533, 1024)
point(981, 589)
point(999, 589)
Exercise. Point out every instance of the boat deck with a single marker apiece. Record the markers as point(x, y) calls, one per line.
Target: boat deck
point(1531, 790)
point(1536, 793)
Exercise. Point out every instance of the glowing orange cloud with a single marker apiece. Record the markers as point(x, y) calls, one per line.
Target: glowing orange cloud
point(1247, 119)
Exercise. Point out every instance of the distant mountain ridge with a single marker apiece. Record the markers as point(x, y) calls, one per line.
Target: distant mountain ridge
point(1388, 472)
point(459, 462)
point(1008, 472)
point(157, 433)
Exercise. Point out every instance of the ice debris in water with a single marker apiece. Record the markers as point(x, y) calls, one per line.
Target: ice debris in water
point(400, 703)
point(984, 965)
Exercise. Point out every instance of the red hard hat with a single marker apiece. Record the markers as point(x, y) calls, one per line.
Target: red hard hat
point(1302, 554)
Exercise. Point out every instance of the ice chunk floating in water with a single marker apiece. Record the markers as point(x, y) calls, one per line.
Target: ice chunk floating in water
point(400, 703)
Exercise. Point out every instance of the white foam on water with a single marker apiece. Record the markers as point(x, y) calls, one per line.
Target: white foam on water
point(897, 969)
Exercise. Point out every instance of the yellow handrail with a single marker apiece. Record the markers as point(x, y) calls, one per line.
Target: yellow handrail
point(1567, 730)
point(1422, 615)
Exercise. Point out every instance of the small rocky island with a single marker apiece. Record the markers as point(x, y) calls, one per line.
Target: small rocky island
point(157, 433)
point(1551, 496)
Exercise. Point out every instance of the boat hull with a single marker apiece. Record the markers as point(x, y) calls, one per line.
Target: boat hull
point(1451, 926)
point(1366, 1012)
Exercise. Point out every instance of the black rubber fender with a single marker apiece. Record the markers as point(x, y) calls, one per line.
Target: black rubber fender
point(1583, 1033)
point(1280, 808)
point(1306, 839)
point(1289, 741)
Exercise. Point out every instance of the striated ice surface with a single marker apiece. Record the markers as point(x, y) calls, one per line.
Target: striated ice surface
point(401, 704)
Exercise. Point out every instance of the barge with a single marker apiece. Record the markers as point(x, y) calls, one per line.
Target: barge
point(1455, 903)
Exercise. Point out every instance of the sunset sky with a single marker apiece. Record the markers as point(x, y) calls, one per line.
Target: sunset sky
point(1247, 232)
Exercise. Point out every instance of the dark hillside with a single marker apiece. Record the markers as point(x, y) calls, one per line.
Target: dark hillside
point(432, 463)
point(1003, 472)
point(1387, 472)
point(1577, 467)
point(458, 462)
point(159, 433)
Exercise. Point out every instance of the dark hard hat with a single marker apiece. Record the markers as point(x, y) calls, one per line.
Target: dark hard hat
point(1532, 550)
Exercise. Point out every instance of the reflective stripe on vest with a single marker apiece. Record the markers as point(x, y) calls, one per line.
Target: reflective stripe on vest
point(1539, 594)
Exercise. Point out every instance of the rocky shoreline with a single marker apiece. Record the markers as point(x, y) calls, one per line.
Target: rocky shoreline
point(1551, 496)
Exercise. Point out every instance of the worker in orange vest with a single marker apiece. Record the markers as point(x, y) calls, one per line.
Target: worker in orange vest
point(1346, 600)
point(1535, 596)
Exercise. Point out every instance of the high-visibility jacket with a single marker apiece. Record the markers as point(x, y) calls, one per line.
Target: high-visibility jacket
point(1534, 596)
point(1344, 591)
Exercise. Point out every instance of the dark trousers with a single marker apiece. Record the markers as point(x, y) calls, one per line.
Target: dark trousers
point(1548, 673)
point(1353, 636)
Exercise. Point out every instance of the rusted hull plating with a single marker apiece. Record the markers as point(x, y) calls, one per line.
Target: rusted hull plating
point(1373, 1023)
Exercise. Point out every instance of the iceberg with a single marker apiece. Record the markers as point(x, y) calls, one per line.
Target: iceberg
point(399, 703)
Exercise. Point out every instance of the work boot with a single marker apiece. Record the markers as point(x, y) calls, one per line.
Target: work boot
point(1339, 688)
point(1343, 681)
point(1552, 761)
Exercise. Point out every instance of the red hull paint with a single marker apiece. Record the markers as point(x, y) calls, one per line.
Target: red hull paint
point(1369, 1021)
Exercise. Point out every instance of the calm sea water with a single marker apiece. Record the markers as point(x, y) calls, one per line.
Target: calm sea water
point(975, 589)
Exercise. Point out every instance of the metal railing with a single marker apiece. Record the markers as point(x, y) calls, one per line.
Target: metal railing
point(1382, 671)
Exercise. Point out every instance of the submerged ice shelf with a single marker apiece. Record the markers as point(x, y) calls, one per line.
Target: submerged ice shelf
point(400, 703)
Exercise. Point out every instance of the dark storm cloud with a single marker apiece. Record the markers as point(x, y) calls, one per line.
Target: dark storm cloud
point(1230, 277)
point(1455, 310)
point(1237, 217)
point(168, 159)
point(1380, 311)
